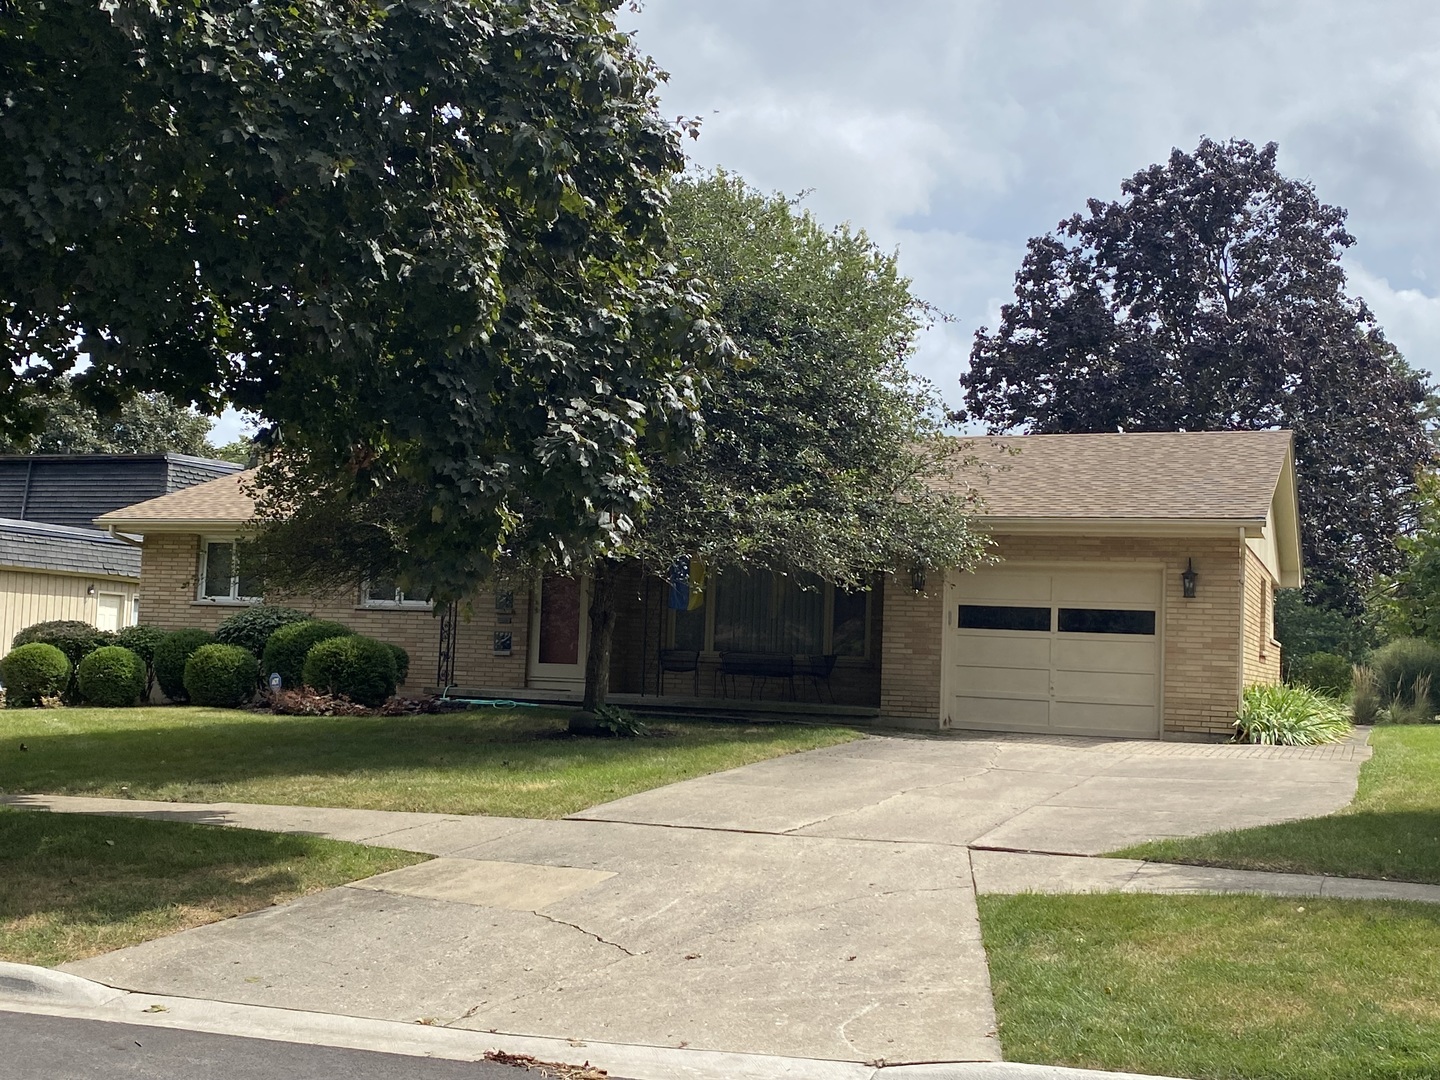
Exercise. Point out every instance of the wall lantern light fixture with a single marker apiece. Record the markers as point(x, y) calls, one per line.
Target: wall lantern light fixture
point(1188, 579)
point(917, 579)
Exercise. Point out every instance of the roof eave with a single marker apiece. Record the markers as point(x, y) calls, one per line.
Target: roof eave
point(147, 526)
point(1116, 526)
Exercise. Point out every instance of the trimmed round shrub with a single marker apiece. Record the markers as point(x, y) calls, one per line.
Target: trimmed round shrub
point(251, 627)
point(222, 675)
point(171, 654)
point(359, 668)
point(142, 641)
point(1323, 671)
point(1405, 665)
point(33, 671)
point(286, 650)
point(402, 662)
point(75, 639)
point(112, 676)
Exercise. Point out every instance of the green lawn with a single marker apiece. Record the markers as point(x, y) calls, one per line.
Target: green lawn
point(72, 885)
point(517, 763)
point(1391, 830)
point(1218, 987)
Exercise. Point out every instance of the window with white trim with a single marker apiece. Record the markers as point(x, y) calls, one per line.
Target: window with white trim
point(385, 593)
point(222, 579)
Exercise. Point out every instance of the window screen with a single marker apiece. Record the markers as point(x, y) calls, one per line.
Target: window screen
point(995, 617)
point(1106, 621)
point(219, 570)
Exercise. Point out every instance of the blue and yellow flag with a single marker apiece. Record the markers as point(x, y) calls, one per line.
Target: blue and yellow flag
point(687, 585)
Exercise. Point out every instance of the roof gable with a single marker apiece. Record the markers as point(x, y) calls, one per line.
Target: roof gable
point(223, 502)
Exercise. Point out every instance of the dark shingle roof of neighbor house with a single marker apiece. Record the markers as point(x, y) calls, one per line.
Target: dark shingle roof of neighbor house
point(1136, 476)
point(74, 489)
point(33, 545)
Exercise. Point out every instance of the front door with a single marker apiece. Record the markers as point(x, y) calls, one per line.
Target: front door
point(559, 617)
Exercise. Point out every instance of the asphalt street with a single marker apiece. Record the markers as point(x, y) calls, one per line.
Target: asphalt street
point(58, 1048)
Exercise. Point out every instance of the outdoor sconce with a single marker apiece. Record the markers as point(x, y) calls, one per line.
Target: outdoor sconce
point(90, 590)
point(917, 579)
point(1187, 580)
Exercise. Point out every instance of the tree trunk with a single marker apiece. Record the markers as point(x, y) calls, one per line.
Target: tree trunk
point(597, 654)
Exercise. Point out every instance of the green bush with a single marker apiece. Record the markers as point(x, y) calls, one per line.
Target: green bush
point(171, 654)
point(1323, 671)
point(1399, 668)
point(1289, 716)
point(111, 676)
point(359, 668)
point(33, 671)
point(402, 662)
point(222, 675)
point(251, 627)
point(285, 651)
point(142, 641)
point(75, 639)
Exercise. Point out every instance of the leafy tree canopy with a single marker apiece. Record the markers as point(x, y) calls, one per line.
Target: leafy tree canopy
point(1407, 603)
point(424, 242)
point(823, 452)
point(143, 424)
point(1211, 297)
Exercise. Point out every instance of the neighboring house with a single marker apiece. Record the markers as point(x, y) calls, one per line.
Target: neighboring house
point(1133, 596)
point(54, 563)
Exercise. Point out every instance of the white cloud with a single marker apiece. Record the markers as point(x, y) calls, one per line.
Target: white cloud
point(957, 129)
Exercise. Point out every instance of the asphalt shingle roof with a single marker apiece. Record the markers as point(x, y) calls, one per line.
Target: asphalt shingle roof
point(32, 545)
point(216, 502)
point(1152, 476)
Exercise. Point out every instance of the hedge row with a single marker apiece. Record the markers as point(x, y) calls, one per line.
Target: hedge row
point(115, 670)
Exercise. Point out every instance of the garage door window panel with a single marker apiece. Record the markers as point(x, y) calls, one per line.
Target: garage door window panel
point(1106, 621)
point(998, 617)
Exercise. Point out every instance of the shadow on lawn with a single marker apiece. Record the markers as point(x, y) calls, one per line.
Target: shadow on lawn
point(1396, 845)
point(261, 746)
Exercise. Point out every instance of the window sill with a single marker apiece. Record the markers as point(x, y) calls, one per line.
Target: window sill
point(395, 607)
point(224, 602)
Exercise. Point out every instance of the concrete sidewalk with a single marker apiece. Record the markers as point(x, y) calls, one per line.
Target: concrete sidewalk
point(815, 906)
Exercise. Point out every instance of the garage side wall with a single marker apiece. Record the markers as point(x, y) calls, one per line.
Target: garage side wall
point(1262, 651)
point(169, 565)
point(910, 675)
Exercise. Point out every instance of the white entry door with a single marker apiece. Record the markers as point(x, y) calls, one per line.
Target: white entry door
point(109, 611)
point(559, 633)
point(1063, 651)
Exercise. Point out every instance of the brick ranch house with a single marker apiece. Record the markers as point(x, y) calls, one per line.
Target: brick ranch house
point(1133, 596)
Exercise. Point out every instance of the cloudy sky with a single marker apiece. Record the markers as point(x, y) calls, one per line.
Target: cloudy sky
point(954, 130)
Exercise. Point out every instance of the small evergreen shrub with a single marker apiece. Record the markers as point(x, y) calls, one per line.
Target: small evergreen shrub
point(1397, 667)
point(111, 676)
point(251, 627)
point(171, 654)
point(142, 641)
point(285, 651)
point(221, 675)
point(1289, 716)
point(75, 639)
point(360, 668)
point(402, 662)
point(1322, 671)
point(32, 672)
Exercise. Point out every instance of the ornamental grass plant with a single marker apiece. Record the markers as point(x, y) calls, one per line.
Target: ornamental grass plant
point(1290, 716)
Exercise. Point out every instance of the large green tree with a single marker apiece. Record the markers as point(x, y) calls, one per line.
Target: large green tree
point(823, 452)
point(425, 243)
point(1211, 296)
point(143, 424)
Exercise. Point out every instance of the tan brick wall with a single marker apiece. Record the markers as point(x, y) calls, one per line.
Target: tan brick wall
point(910, 673)
point(169, 564)
point(1262, 652)
point(1203, 637)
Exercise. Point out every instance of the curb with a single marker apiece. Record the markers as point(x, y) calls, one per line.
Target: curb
point(45, 985)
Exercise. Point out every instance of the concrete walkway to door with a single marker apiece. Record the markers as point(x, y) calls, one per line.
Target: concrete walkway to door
point(819, 905)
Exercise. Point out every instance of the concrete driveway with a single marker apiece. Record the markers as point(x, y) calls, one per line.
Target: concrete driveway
point(818, 905)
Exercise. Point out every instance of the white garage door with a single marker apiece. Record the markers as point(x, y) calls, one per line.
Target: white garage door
point(1072, 652)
